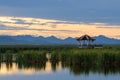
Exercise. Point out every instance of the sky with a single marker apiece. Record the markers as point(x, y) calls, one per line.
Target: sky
point(60, 18)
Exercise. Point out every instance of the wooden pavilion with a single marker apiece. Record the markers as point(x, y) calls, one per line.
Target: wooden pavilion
point(86, 41)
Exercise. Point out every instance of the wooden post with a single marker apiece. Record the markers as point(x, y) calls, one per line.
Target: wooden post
point(78, 43)
point(87, 42)
point(81, 44)
point(84, 42)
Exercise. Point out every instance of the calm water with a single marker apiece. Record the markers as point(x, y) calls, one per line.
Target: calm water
point(57, 71)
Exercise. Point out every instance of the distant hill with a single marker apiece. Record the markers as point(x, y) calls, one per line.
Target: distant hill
point(27, 39)
point(105, 40)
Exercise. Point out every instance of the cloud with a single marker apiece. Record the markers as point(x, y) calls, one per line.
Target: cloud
point(109, 27)
point(26, 22)
point(43, 30)
point(20, 21)
point(35, 24)
point(46, 27)
point(3, 27)
point(104, 11)
point(64, 22)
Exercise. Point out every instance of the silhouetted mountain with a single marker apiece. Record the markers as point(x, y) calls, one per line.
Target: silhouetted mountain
point(27, 39)
point(70, 40)
point(105, 40)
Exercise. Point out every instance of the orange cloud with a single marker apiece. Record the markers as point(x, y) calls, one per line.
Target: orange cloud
point(62, 29)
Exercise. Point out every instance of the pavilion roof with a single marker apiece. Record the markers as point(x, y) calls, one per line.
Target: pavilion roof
point(85, 37)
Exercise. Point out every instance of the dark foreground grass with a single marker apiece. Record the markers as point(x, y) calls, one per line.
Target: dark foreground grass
point(68, 54)
point(105, 60)
point(90, 56)
point(31, 57)
point(83, 61)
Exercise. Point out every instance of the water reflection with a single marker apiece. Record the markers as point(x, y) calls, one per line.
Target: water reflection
point(86, 69)
point(17, 68)
point(49, 67)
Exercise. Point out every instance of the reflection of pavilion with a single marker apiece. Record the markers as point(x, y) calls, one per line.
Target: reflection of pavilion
point(86, 41)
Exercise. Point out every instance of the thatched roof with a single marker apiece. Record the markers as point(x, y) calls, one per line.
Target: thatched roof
point(85, 37)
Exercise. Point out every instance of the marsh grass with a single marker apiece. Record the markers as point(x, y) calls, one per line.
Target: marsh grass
point(105, 60)
point(31, 56)
point(8, 58)
point(1, 58)
point(98, 57)
point(68, 55)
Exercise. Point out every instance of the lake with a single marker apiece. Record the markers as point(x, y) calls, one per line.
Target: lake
point(56, 71)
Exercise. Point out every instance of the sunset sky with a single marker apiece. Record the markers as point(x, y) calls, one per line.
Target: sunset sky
point(60, 18)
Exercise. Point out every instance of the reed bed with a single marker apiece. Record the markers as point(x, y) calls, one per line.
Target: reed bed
point(31, 56)
point(68, 54)
point(87, 56)
point(103, 60)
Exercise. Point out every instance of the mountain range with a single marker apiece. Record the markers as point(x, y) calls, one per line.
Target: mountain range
point(28, 39)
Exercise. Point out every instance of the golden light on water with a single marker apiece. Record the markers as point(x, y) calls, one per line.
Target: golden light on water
point(6, 69)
